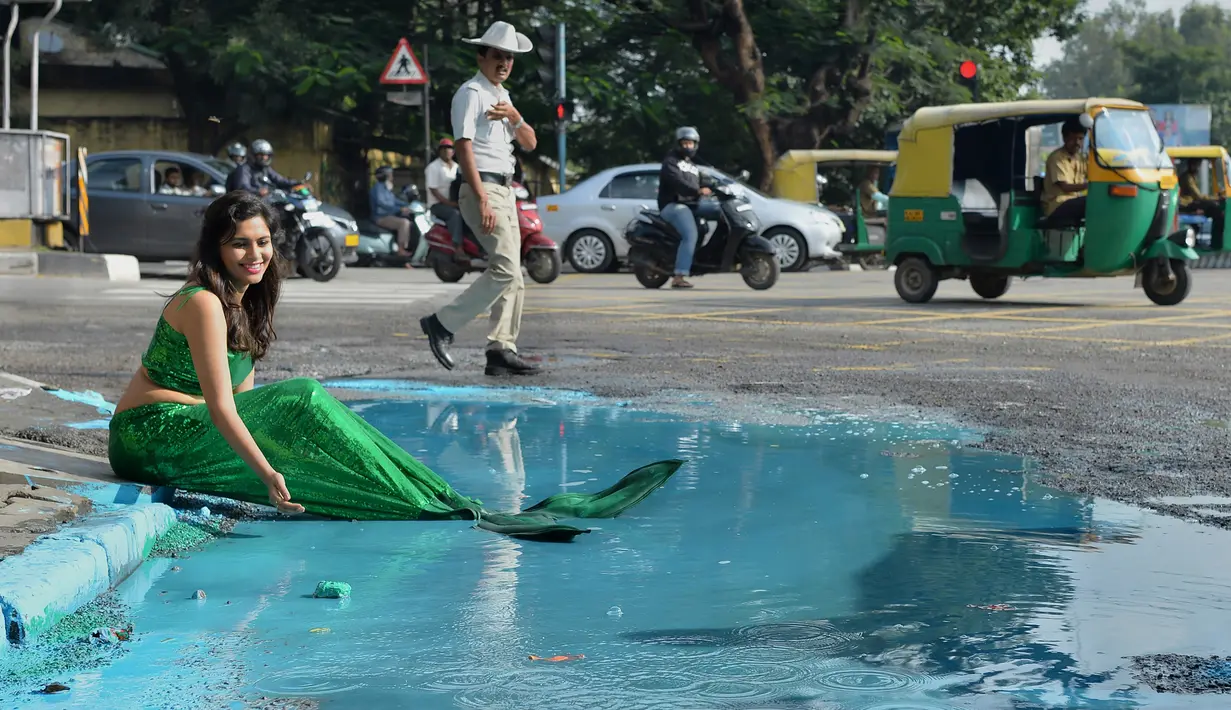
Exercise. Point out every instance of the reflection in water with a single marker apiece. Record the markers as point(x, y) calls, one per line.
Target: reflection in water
point(846, 565)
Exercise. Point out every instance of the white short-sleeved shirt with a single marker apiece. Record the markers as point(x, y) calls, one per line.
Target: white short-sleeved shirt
point(439, 176)
point(492, 140)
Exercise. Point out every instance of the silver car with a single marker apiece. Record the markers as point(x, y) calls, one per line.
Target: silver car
point(589, 219)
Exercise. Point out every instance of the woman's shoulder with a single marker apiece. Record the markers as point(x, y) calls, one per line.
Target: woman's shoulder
point(191, 300)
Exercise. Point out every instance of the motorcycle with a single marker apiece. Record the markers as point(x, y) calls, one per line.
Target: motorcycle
point(378, 246)
point(539, 254)
point(735, 242)
point(307, 239)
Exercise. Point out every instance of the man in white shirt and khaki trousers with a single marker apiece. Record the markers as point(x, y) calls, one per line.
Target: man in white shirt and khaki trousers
point(485, 124)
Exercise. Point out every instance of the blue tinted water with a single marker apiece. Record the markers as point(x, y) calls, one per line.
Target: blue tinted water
point(838, 565)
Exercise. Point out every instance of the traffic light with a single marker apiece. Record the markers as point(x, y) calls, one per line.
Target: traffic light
point(968, 75)
point(545, 47)
point(564, 110)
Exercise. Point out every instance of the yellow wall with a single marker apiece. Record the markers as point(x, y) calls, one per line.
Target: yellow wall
point(151, 120)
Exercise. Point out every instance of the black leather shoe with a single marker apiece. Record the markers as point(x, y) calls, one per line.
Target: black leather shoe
point(438, 337)
point(506, 362)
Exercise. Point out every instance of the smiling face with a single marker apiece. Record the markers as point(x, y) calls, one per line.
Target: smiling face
point(496, 64)
point(248, 253)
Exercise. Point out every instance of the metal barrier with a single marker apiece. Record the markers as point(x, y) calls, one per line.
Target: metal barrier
point(83, 200)
point(34, 175)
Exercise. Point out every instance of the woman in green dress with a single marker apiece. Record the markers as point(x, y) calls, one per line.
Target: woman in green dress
point(191, 417)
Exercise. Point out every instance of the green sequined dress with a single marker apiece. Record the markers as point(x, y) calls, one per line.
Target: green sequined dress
point(335, 463)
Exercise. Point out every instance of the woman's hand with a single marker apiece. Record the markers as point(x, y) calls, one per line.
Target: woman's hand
point(279, 496)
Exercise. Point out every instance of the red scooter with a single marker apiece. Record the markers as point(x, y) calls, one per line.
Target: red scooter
point(539, 254)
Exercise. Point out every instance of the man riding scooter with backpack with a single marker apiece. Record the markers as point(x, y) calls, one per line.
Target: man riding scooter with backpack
point(679, 199)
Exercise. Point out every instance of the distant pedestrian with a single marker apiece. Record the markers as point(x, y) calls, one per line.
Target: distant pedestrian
point(485, 124)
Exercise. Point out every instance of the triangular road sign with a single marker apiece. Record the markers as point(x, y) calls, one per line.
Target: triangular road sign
point(403, 67)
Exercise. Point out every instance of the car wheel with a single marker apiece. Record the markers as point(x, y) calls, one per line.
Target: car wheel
point(790, 248)
point(590, 251)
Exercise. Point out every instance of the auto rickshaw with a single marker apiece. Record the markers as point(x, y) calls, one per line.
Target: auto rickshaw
point(796, 177)
point(1212, 241)
point(965, 203)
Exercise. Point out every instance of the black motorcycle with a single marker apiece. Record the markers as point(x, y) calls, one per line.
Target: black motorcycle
point(308, 239)
point(735, 245)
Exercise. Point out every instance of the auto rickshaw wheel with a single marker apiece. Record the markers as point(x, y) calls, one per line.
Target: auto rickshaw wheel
point(875, 260)
point(916, 280)
point(1163, 292)
point(989, 285)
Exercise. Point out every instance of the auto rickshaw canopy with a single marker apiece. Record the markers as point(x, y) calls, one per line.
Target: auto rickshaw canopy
point(1219, 160)
point(1198, 152)
point(926, 142)
point(795, 171)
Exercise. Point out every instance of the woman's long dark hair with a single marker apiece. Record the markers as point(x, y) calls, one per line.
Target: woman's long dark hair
point(250, 325)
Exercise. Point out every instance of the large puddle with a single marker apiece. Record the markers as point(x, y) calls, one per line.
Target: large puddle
point(848, 564)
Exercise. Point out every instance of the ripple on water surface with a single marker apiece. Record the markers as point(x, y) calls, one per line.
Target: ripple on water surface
point(846, 565)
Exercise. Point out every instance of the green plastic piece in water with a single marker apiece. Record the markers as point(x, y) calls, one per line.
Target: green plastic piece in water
point(331, 590)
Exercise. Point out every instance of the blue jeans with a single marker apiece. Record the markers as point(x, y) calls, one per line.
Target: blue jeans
point(684, 219)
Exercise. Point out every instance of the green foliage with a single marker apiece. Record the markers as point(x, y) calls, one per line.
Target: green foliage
point(828, 75)
point(1156, 58)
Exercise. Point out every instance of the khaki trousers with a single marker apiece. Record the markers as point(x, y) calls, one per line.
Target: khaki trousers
point(501, 287)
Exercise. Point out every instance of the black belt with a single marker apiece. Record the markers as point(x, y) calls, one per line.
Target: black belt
point(495, 178)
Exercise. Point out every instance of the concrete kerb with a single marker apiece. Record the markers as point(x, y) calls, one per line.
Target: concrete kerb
point(62, 571)
point(110, 267)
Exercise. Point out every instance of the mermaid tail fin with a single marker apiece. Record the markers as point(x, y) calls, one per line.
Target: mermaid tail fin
point(538, 522)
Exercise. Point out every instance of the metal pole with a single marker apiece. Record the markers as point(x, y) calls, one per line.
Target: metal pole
point(561, 148)
point(8, 52)
point(427, 116)
point(55, 9)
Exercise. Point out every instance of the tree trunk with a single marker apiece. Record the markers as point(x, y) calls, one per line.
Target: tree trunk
point(743, 74)
point(209, 126)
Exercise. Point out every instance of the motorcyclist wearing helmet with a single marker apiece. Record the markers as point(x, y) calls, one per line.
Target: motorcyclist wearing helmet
point(679, 199)
point(258, 174)
point(239, 156)
point(388, 211)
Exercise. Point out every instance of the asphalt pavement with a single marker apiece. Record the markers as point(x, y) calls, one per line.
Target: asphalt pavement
point(1110, 394)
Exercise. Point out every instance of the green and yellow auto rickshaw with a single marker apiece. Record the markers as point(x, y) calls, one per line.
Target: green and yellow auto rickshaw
point(965, 201)
point(1207, 213)
point(797, 176)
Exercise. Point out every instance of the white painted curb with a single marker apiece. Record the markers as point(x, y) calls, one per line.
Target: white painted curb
point(63, 571)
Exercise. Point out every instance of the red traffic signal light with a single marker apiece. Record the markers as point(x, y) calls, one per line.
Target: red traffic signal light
point(564, 110)
point(560, 111)
point(968, 69)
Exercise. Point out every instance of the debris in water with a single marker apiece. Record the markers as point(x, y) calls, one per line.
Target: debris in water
point(557, 659)
point(319, 630)
point(54, 688)
point(200, 594)
point(990, 607)
point(331, 590)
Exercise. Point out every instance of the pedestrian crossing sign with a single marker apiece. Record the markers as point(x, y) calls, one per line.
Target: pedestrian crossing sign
point(403, 67)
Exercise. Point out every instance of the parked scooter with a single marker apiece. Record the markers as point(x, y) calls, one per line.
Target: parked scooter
point(378, 246)
point(308, 240)
point(735, 242)
point(539, 254)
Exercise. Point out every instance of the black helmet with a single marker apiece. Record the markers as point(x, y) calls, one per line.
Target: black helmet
point(262, 151)
point(383, 173)
point(684, 133)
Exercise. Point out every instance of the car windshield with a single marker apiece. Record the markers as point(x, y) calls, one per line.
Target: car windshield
point(221, 166)
point(1127, 138)
point(723, 179)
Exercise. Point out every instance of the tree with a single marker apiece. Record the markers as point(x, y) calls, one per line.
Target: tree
point(815, 87)
point(1093, 63)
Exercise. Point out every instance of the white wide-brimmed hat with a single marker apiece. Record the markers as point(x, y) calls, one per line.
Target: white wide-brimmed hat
point(501, 35)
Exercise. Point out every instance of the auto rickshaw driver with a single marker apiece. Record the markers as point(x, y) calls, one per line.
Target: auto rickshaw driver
point(1194, 201)
point(872, 201)
point(1064, 181)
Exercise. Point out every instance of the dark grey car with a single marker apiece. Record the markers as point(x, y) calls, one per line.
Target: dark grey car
point(132, 209)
